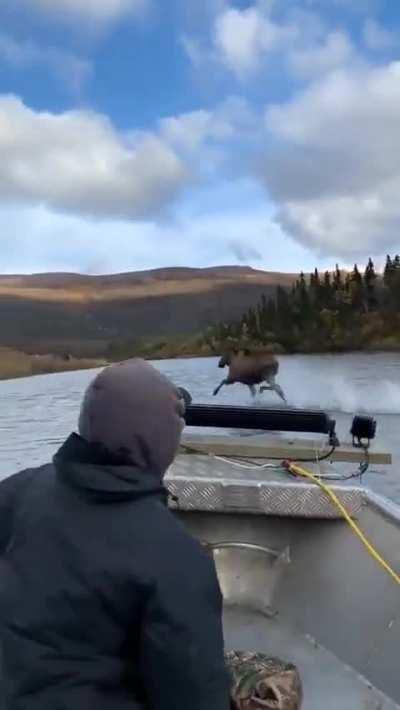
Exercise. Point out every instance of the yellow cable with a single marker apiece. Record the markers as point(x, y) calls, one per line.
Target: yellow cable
point(295, 468)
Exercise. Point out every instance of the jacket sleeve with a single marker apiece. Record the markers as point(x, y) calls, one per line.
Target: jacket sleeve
point(9, 490)
point(182, 648)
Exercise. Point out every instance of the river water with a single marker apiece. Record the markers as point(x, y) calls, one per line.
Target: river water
point(37, 413)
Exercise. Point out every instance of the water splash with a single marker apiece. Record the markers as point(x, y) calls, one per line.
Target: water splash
point(340, 394)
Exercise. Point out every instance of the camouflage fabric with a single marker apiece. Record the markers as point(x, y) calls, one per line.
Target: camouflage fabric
point(263, 683)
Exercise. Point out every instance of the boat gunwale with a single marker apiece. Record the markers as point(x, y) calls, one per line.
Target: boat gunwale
point(381, 504)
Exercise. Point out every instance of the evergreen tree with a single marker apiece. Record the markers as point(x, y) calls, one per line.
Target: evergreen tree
point(390, 278)
point(327, 291)
point(337, 279)
point(264, 303)
point(271, 315)
point(336, 311)
point(303, 300)
point(388, 272)
point(370, 286)
point(315, 290)
point(394, 286)
point(356, 289)
point(338, 289)
point(283, 311)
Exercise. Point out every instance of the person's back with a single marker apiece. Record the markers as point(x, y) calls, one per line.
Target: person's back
point(105, 601)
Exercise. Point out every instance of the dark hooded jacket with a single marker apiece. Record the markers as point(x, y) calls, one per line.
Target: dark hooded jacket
point(106, 602)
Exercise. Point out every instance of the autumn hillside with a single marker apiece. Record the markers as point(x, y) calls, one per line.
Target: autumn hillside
point(83, 315)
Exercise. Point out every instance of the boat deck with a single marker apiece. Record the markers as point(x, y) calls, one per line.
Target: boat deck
point(328, 683)
point(280, 544)
point(209, 483)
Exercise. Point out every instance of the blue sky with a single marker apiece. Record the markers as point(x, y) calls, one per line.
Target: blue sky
point(145, 133)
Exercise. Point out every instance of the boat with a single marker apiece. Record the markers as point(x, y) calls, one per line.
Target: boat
point(298, 581)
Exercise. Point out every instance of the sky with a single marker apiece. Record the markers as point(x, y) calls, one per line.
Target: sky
point(138, 134)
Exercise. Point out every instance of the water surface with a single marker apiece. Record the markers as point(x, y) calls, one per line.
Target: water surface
point(37, 413)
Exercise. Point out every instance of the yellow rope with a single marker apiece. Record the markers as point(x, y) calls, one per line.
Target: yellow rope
point(295, 468)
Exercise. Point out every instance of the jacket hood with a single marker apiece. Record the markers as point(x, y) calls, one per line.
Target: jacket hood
point(102, 476)
point(131, 408)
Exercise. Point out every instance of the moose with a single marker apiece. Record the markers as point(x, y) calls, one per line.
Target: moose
point(251, 369)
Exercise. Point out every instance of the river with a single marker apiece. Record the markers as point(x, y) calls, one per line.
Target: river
point(37, 413)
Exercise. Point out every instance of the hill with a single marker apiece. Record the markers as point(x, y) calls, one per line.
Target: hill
point(86, 316)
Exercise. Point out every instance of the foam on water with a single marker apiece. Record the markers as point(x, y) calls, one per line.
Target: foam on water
point(340, 394)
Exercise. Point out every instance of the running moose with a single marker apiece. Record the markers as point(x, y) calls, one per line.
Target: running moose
point(251, 369)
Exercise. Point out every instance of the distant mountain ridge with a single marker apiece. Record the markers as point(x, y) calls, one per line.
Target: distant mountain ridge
point(80, 313)
point(179, 273)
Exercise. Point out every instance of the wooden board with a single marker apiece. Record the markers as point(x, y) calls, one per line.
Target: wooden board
point(265, 447)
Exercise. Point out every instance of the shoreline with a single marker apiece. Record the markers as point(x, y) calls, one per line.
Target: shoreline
point(15, 364)
point(23, 366)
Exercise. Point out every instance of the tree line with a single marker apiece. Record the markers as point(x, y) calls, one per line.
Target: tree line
point(335, 312)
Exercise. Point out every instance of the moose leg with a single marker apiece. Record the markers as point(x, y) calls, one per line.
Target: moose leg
point(273, 387)
point(279, 391)
point(252, 390)
point(269, 386)
point(224, 382)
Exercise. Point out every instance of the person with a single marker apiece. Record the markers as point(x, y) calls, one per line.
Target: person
point(106, 601)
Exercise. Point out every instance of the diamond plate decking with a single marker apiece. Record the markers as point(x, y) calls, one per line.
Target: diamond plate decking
point(206, 483)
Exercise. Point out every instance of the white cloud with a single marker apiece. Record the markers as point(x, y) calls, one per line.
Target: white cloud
point(335, 171)
point(244, 252)
point(70, 68)
point(190, 131)
point(377, 37)
point(244, 41)
point(98, 11)
point(217, 142)
point(194, 50)
point(40, 240)
point(77, 162)
point(334, 52)
point(242, 38)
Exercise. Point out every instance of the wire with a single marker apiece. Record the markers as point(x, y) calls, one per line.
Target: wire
point(240, 462)
point(194, 450)
point(317, 458)
point(336, 477)
point(302, 472)
point(363, 468)
point(249, 466)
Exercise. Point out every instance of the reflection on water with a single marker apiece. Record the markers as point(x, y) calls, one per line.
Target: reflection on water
point(36, 414)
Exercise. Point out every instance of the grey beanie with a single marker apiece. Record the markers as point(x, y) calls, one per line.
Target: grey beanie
point(133, 409)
